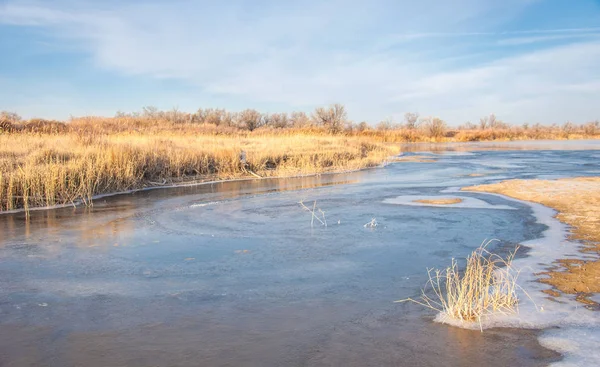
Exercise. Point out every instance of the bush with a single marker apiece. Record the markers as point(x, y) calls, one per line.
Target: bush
point(333, 118)
point(434, 127)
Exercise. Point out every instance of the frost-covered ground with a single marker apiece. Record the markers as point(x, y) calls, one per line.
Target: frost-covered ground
point(569, 328)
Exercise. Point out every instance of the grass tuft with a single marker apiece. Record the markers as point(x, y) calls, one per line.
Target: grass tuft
point(487, 286)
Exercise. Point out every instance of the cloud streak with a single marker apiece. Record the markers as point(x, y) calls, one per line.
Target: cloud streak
point(381, 59)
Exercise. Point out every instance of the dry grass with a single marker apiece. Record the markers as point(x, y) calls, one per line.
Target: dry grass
point(45, 163)
point(49, 168)
point(577, 201)
point(487, 286)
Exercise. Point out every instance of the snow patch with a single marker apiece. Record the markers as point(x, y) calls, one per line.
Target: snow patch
point(199, 205)
point(467, 202)
point(572, 329)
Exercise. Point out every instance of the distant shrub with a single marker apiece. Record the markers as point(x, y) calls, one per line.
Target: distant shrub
point(411, 120)
point(44, 126)
point(434, 127)
point(333, 117)
point(592, 128)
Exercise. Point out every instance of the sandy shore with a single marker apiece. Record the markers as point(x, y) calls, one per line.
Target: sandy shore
point(577, 201)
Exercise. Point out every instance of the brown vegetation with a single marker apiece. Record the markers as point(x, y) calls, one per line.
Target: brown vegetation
point(578, 202)
point(487, 286)
point(45, 162)
point(42, 167)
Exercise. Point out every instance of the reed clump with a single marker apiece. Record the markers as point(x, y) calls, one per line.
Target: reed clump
point(43, 167)
point(487, 286)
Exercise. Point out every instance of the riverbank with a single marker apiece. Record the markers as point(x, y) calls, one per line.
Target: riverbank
point(42, 170)
point(577, 201)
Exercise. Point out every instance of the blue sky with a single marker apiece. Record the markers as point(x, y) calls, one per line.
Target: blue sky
point(525, 60)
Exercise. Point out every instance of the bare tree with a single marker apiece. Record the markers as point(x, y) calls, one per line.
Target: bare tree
point(175, 116)
point(411, 120)
point(362, 126)
point(11, 117)
point(250, 119)
point(592, 128)
point(385, 125)
point(434, 127)
point(150, 112)
point(213, 116)
point(491, 122)
point(299, 119)
point(332, 117)
point(483, 122)
point(279, 120)
point(467, 126)
point(568, 128)
point(228, 118)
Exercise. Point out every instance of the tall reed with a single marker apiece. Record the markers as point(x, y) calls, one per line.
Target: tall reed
point(44, 169)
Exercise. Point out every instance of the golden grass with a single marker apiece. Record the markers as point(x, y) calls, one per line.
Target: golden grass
point(487, 286)
point(45, 163)
point(577, 201)
point(43, 169)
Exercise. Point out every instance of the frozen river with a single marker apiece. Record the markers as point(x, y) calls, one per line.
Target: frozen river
point(233, 274)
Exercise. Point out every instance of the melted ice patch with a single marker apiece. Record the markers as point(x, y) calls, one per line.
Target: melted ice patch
point(576, 330)
point(496, 163)
point(467, 202)
point(452, 153)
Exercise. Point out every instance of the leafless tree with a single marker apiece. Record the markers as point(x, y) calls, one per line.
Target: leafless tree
point(568, 128)
point(592, 128)
point(213, 116)
point(299, 119)
point(491, 122)
point(385, 125)
point(411, 120)
point(434, 127)
point(362, 126)
point(250, 119)
point(332, 117)
point(175, 116)
point(279, 120)
point(467, 126)
point(150, 112)
point(11, 117)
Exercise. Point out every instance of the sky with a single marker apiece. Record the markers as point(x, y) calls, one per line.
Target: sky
point(524, 60)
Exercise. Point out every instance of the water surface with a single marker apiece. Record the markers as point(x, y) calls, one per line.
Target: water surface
point(232, 274)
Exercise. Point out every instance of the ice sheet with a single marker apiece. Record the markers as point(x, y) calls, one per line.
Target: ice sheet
point(467, 202)
point(572, 330)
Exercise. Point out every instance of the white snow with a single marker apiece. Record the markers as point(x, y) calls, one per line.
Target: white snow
point(199, 205)
point(571, 329)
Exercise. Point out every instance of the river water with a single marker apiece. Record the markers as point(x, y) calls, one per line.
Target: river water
point(234, 274)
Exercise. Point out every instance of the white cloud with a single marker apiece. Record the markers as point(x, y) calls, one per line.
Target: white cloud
point(380, 58)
